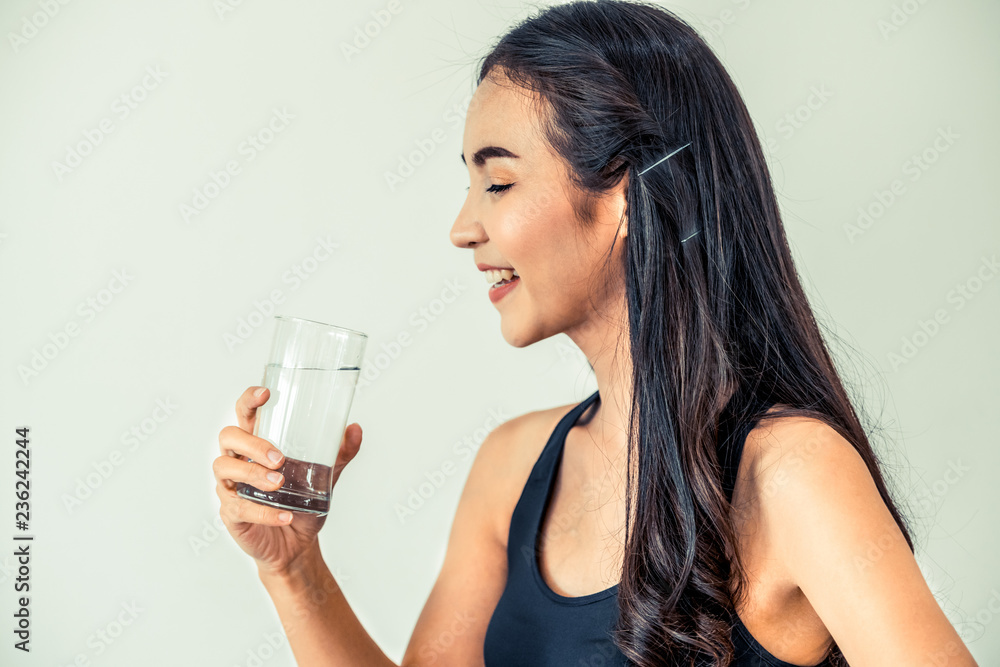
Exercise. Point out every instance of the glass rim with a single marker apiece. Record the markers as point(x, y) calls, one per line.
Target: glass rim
point(290, 318)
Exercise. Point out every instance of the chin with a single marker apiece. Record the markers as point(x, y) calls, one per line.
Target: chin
point(515, 339)
point(518, 336)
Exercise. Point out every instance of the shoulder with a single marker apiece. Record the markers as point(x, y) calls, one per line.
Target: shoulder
point(505, 458)
point(789, 453)
point(813, 492)
point(828, 529)
point(802, 457)
point(518, 441)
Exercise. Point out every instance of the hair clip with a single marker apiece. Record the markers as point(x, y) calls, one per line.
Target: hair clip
point(664, 158)
point(690, 236)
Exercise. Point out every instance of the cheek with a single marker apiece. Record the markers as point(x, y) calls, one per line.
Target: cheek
point(524, 234)
point(549, 256)
point(537, 233)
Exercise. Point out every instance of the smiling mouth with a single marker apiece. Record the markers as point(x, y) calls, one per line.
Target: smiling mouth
point(504, 282)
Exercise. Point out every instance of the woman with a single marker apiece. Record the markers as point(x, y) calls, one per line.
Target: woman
point(716, 501)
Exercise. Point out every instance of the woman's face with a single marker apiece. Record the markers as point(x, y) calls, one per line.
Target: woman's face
point(531, 225)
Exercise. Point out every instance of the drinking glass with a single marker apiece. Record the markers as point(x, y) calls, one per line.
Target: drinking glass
point(312, 372)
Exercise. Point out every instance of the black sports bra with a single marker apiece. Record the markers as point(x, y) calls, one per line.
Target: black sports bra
point(533, 625)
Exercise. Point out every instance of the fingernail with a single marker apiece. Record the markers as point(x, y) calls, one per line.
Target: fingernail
point(285, 516)
point(259, 392)
point(274, 455)
point(274, 477)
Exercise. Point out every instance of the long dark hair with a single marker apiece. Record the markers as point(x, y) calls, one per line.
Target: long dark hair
point(718, 322)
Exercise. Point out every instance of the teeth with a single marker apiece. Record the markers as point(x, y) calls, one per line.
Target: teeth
point(494, 276)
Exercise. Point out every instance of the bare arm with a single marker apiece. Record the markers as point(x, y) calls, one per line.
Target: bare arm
point(452, 625)
point(845, 552)
point(321, 627)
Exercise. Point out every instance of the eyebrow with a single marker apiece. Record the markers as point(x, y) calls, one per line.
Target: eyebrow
point(480, 157)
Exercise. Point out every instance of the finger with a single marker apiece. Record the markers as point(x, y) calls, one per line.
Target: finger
point(225, 489)
point(247, 404)
point(350, 444)
point(234, 441)
point(240, 510)
point(227, 468)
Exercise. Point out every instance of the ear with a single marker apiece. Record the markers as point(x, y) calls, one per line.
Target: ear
point(621, 199)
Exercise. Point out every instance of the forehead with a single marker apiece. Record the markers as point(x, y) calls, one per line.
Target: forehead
point(502, 113)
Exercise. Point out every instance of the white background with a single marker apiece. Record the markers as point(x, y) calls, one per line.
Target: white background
point(65, 232)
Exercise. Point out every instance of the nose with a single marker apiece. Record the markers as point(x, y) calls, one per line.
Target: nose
point(467, 231)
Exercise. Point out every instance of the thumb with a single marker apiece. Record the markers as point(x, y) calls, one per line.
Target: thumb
point(350, 444)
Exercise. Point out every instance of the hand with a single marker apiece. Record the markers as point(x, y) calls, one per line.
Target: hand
point(272, 541)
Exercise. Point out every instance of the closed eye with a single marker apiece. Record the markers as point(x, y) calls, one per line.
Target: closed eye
point(496, 188)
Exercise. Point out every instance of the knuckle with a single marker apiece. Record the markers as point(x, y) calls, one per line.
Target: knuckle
point(249, 471)
point(264, 514)
point(255, 472)
point(243, 408)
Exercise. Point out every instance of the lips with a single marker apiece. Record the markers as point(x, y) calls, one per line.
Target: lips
point(504, 282)
point(498, 293)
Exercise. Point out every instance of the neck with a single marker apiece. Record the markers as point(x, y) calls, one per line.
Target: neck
point(604, 340)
